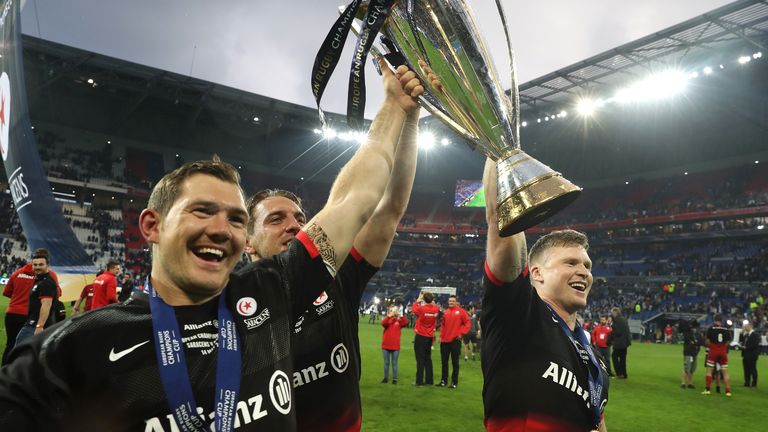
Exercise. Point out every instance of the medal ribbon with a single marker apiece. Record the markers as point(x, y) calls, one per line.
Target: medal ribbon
point(595, 382)
point(173, 367)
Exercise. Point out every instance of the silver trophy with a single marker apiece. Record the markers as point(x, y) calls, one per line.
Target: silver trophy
point(441, 42)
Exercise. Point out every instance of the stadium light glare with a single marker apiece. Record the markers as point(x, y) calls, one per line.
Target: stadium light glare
point(729, 322)
point(546, 118)
point(90, 81)
point(757, 55)
point(757, 162)
point(744, 59)
point(255, 119)
point(563, 113)
point(444, 141)
point(722, 67)
point(707, 70)
point(760, 227)
point(685, 173)
point(693, 75)
point(626, 182)
point(376, 300)
point(745, 322)
point(525, 123)
point(538, 120)
point(585, 107)
point(317, 131)
point(329, 133)
point(426, 140)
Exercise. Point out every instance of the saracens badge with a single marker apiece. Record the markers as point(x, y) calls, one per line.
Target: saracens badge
point(246, 306)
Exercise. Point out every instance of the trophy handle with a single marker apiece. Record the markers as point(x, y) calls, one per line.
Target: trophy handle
point(513, 92)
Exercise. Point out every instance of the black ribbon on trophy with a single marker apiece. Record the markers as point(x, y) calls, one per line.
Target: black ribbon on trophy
point(330, 51)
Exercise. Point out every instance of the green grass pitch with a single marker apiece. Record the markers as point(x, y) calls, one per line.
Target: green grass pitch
point(650, 400)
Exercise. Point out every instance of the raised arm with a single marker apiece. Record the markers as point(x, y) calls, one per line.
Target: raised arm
point(360, 185)
point(375, 239)
point(506, 256)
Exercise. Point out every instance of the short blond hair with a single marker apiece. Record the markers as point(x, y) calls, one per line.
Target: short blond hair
point(562, 238)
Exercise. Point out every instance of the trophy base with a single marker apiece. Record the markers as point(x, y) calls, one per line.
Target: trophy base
point(540, 192)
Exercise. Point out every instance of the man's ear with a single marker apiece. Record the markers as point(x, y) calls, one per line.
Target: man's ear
point(149, 224)
point(535, 273)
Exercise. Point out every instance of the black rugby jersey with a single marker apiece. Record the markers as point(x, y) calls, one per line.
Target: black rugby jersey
point(533, 377)
point(718, 335)
point(44, 287)
point(98, 371)
point(326, 352)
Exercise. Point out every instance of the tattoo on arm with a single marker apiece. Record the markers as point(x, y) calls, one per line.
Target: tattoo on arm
point(323, 245)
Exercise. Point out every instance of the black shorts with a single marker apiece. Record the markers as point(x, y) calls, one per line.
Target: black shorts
point(470, 337)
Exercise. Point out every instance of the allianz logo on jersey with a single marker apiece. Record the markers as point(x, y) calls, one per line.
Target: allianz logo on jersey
point(248, 410)
point(339, 362)
point(23, 276)
point(564, 377)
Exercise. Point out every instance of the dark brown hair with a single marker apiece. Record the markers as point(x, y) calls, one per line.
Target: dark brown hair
point(261, 196)
point(168, 189)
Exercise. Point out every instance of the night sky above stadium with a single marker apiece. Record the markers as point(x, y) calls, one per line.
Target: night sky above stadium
point(267, 47)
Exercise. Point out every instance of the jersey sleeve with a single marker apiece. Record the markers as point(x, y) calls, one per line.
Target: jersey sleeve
point(111, 290)
point(33, 386)
point(304, 272)
point(507, 308)
point(8, 288)
point(353, 278)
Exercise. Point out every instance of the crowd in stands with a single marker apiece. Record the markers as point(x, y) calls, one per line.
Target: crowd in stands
point(451, 254)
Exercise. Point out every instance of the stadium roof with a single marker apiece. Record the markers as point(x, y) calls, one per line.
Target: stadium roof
point(741, 24)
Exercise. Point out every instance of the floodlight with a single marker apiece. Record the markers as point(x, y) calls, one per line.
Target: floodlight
point(761, 227)
point(757, 55)
point(90, 80)
point(546, 118)
point(693, 74)
point(255, 119)
point(538, 120)
point(744, 59)
point(525, 124)
point(317, 131)
point(376, 300)
point(685, 173)
point(563, 113)
point(626, 182)
point(729, 322)
point(444, 141)
point(585, 107)
point(426, 140)
point(707, 70)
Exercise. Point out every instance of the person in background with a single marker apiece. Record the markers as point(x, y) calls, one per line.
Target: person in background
point(17, 289)
point(750, 350)
point(105, 286)
point(42, 297)
point(426, 321)
point(455, 325)
point(692, 342)
point(390, 341)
